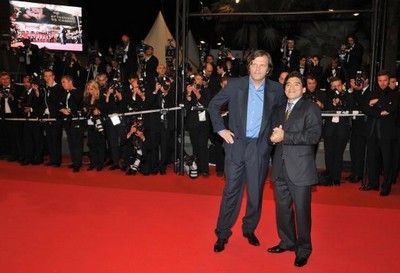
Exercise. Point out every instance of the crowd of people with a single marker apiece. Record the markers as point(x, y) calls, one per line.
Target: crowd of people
point(85, 98)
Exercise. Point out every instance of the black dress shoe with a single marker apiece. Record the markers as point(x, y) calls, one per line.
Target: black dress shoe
point(300, 261)
point(370, 188)
point(251, 237)
point(114, 167)
point(384, 192)
point(278, 249)
point(220, 244)
point(90, 168)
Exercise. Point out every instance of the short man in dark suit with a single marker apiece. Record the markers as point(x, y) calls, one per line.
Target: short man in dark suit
point(297, 129)
point(247, 150)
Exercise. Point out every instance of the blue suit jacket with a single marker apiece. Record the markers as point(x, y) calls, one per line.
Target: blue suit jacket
point(236, 95)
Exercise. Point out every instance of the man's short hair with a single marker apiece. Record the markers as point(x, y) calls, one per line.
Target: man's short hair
point(383, 73)
point(334, 79)
point(294, 74)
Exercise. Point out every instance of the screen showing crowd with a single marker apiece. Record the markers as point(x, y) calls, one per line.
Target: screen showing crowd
point(55, 27)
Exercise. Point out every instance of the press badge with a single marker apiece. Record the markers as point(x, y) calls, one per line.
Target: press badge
point(202, 116)
point(115, 120)
point(335, 119)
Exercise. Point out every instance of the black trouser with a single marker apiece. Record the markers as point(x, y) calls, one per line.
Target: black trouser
point(74, 132)
point(293, 214)
point(358, 144)
point(53, 131)
point(152, 151)
point(380, 147)
point(219, 153)
point(97, 147)
point(334, 148)
point(14, 139)
point(166, 147)
point(253, 170)
point(199, 139)
point(33, 142)
point(113, 135)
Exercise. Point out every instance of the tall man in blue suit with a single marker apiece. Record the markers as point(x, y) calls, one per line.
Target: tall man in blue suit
point(247, 150)
point(297, 129)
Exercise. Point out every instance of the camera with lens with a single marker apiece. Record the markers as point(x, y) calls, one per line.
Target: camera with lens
point(137, 122)
point(95, 119)
point(359, 78)
point(310, 96)
point(119, 53)
point(5, 91)
point(165, 82)
point(140, 50)
point(223, 53)
point(116, 85)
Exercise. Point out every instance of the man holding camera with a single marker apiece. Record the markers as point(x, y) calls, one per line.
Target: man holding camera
point(247, 151)
point(359, 87)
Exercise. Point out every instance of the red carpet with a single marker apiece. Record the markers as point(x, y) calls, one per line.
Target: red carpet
point(55, 221)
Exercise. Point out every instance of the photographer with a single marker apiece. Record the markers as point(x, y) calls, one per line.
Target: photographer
point(114, 105)
point(149, 65)
point(382, 112)
point(197, 121)
point(93, 108)
point(290, 55)
point(159, 127)
point(134, 141)
point(333, 70)
point(32, 132)
point(50, 93)
point(29, 55)
point(9, 94)
point(70, 106)
point(125, 55)
point(359, 85)
point(354, 53)
point(134, 95)
point(336, 130)
point(313, 93)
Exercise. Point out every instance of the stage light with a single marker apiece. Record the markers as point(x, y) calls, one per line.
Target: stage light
point(237, 1)
point(218, 44)
point(356, 14)
point(330, 9)
point(202, 42)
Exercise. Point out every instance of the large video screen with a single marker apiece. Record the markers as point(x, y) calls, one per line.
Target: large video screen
point(55, 27)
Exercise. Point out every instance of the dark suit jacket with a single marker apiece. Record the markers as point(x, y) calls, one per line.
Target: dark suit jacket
point(236, 95)
point(296, 152)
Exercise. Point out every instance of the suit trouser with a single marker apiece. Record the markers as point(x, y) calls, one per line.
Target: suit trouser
point(113, 135)
point(358, 144)
point(74, 132)
point(53, 132)
point(33, 142)
point(293, 203)
point(97, 147)
point(251, 169)
point(334, 148)
point(376, 148)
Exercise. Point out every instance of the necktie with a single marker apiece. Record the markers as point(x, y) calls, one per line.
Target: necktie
point(66, 102)
point(288, 110)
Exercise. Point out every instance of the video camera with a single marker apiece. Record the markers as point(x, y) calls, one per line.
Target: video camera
point(5, 91)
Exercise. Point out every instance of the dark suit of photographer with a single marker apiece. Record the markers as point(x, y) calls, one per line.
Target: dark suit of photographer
point(32, 133)
point(164, 97)
point(125, 54)
point(336, 130)
point(30, 56)
point(9, 96)
point(382, 111)
point(114, 105)
point(359, 129)
point(70, 106)
point(197, 121)
point(93, 108)
point(49, 95)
